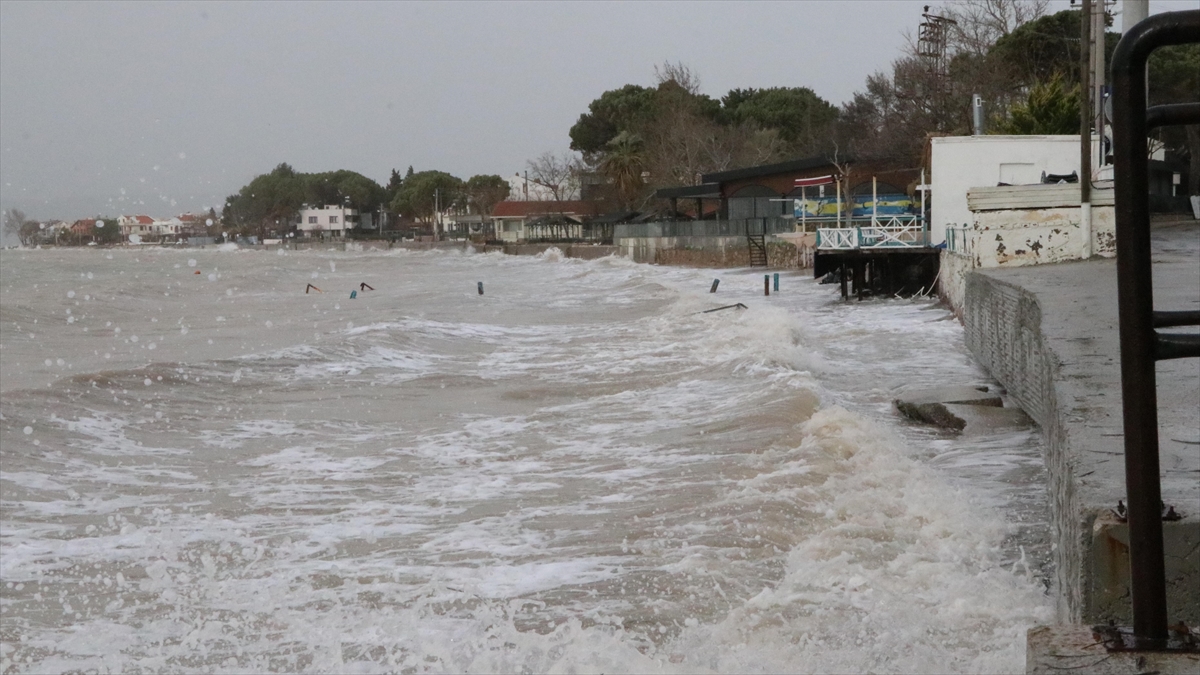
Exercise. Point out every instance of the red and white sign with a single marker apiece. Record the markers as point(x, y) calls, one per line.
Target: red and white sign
point(813, 182)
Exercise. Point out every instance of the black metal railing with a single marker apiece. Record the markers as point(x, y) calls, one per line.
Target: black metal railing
point(1141, 344)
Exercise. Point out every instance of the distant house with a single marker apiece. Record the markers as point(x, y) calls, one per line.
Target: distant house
point(84, 227)
point(192, 225)
point(168, 228)
point(56, 227)
point(143, 226)
point(522, 221)
point(329, 220)
point(523, 189)
point(465, 224)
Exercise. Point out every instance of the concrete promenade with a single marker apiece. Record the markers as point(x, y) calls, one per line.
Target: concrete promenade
point(1048, 333)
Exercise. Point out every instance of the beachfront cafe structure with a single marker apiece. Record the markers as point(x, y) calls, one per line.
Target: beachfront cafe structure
point(864, 220)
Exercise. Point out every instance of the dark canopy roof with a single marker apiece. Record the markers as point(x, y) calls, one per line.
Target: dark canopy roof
point(615, 217)
point(771, 169)
point(711, 187)
point(706, 190)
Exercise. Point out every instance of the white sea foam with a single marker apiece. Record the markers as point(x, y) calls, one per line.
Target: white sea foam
point(579, 471)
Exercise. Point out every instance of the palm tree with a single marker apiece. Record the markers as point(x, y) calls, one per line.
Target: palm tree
point(623, 164)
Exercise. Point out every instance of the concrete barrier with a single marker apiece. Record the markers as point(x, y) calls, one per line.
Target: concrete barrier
point(1049, 335)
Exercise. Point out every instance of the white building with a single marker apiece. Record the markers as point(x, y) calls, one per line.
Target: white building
point(962, 163)
point(168, 228)
point(329, 220)
point(991, 208)
point(142, 226)
point(521, 189)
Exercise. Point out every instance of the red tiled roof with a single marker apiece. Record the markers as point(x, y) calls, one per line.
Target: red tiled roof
point(144, 220)
point(516, 209)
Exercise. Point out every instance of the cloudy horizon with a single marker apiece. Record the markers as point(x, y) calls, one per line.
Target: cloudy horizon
point(116, 108)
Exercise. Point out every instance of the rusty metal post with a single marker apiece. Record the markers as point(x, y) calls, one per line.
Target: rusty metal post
point(1135, 294)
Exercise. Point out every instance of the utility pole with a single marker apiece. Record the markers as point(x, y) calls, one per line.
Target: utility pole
point(437, 211)
point(1085, 128)
point(1098, 28)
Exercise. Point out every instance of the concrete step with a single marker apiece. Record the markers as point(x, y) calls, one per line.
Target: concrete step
point(933, 406)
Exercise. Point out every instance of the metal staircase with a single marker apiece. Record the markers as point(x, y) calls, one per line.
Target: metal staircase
point(758, 249)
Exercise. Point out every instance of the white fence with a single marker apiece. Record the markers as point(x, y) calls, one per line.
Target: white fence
point(894, 232)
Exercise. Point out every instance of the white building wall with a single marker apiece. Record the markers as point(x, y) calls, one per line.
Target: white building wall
point(964, 162)
point(522, 190)
point(510, 229)
point(331, 219)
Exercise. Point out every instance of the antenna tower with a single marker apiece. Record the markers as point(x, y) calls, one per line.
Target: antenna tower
point(931, 46)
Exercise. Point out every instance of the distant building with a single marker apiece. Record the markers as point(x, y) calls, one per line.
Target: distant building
point(143, 226)
point(329, 220)
point(520, 188)
point(84, 227)
point(169, 228)
point(193, 225)
point(523, 220)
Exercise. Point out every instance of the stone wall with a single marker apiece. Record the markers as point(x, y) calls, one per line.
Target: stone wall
point(1049, 335)
point(952, 280)
point(1015, 237)
point(1020, 237)
point(1003, 331)
point(714, 252)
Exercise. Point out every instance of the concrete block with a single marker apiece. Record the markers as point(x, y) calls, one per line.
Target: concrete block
point(930, 405)
point(982, 419)
point(1074, 648)
point(1109, 598)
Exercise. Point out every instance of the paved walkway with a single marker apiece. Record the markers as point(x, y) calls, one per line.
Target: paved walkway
point(1049, 334)
point(1079, 324)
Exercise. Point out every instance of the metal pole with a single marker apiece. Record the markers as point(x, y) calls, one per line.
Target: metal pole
point(803, 210)
point(839, 203)
point(874, 202)
point(1098, 30)
point(1085, 125)
point(1135, 292)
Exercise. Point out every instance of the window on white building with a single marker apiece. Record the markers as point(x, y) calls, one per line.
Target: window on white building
point(312, 220)
point(333, 220)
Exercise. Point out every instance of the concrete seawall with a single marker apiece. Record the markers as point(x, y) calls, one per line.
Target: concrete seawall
point(1049, 334)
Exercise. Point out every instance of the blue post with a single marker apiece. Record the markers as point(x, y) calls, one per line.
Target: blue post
point(777, 282)
point(353, 294)
point(480, 287)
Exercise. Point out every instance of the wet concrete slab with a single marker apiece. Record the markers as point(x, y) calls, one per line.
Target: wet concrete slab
point(933, 406)
point(1077, 649)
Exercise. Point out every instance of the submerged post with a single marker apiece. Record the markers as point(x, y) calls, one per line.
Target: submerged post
point(479, 285)
point(777, 282)
point(766, 284)
point(714, 286)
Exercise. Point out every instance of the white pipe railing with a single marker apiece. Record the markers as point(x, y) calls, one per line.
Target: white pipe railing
point(892, 232)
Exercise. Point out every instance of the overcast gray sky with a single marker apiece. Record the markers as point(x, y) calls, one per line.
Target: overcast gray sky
point(160, 108)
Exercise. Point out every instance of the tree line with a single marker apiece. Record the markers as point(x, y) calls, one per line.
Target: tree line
point(30, 232)
point(1022, 61)
point(636, 139)
point(268, 204)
